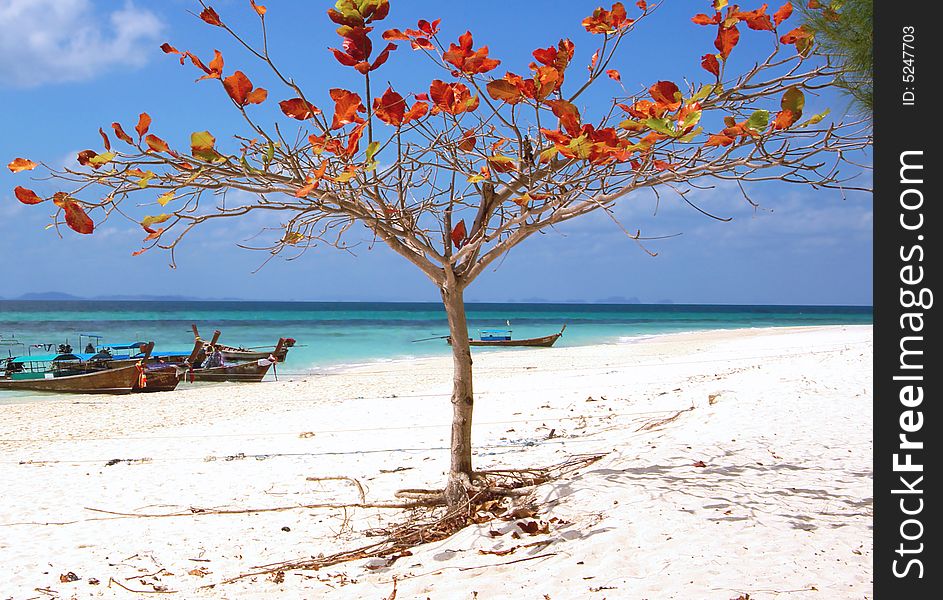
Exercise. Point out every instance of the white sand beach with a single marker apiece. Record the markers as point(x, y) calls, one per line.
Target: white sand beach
point(734, 463)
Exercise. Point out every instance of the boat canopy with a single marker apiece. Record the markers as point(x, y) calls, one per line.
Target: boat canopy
point(124, 345)
point(50, 358)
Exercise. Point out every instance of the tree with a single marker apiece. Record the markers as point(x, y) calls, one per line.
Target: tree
point(454, 176)
point(844, 32)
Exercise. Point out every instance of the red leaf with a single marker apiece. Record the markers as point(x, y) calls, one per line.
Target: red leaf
point(784, 12)
point(21, 164)
point(124, 137)
point(727, 38)
point(296, 108)
point(665, 94)
point(168, 49)
point(346, 106)
point(85, 156)
point(105, 139)
point(382, 56)
point(699, 463)
point(422, 43)
point(209, 15)
point(459, 235)
point(710, 64)
point(344, 58)
point(238, 87)
point(26, 196)
point(144, 123)
point(614, 75)
point(156, 144)
point(357, 44)
point(76, 218)
point(568, 114)
point(390, 108)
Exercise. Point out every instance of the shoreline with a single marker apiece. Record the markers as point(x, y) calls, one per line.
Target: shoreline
point(779, 417)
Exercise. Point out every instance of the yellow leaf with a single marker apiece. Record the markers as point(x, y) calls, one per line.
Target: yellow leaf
point(151, 220)
point(101, 159)
point(164, 199)
point(142, 182)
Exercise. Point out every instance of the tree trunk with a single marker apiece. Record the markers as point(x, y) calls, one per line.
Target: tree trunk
point(463, 403)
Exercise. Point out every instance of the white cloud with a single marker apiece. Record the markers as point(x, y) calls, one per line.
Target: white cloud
point(55, 41)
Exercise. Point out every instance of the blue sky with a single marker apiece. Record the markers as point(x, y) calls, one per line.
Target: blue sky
point(72, 66)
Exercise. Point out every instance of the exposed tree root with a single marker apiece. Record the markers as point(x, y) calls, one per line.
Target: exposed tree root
point(432, 519)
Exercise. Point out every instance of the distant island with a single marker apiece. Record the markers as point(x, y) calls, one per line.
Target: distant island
point(63, 296)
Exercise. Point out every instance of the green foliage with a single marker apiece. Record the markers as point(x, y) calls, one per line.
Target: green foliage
point(847, 41)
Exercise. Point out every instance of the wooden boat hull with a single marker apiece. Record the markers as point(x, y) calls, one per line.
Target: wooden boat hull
point(538, 342)
point(251, 372)
point(160, 380)
point(108, 381)
point(241, 356)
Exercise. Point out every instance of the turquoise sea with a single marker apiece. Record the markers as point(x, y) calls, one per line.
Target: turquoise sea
point(334, 334)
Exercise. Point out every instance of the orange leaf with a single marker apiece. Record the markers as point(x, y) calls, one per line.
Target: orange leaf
point(238, 87)
point(257, 96)
point(417, 111)
point(468, 141)
point(718, 139)
point(504, 90)
point(124, 137)
point(469, 61)
point(26, 196)
point(346, 106)
point(214, 71)
point(614, 75)
point(21, 164)
point(459, 235)
point(156, 144)
point(144, 122)
point(209, 15)
point(703, 19)
point(607, 21)
point(296, 108)
point(784, 12)
point(258, 8)
point(452, 98)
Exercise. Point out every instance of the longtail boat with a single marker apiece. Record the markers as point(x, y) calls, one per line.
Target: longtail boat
point(240, 354)
point(502, 338)
point(204, 368)
point(68, 373)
